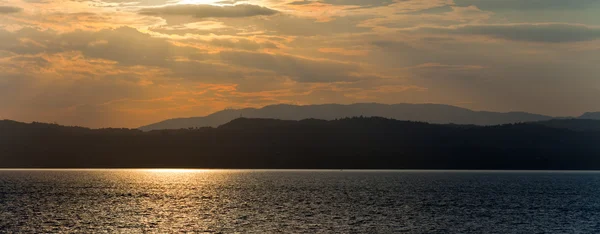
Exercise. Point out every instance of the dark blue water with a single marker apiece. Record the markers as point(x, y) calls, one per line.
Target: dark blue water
point(299, 201)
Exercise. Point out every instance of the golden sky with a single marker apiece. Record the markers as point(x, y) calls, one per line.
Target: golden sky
point(127, 63)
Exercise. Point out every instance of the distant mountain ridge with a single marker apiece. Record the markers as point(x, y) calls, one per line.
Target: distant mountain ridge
point(431, 113)
point(591, 115)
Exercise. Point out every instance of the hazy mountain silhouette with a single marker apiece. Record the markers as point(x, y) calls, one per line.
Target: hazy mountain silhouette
point(431, 113)
point(590, 115)
point(360, 143)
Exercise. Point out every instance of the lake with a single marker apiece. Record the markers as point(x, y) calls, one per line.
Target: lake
point(271, 201)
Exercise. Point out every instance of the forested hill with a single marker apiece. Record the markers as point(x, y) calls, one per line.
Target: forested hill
point(360, 143)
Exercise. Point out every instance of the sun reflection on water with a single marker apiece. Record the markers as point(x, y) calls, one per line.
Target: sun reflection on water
point(164, 170)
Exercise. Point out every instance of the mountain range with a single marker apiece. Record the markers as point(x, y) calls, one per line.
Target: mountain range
point(430, 113)
point(590, 115)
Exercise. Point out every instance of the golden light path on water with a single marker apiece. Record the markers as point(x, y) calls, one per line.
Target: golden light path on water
point(296, 201)
point(172, 170)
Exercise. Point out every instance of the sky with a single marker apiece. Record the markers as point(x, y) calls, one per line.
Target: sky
point(128, 63)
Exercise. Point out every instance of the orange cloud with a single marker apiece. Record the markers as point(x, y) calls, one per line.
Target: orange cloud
point(342, 51)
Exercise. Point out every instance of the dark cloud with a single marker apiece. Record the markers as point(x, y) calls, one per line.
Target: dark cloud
point(210, 11)
point(38, 1)
point(182, 31)
point(432, 11)
point(551, 33)
point(125, 45)
point(126, 2)
point(27, 41)
point(229, 2)
point(361, 3)
point(128, 48)
point(39, 61)
point(10, 9)
point(243, 44)
point(358, 3)
point(283, 24)
point(299, 3)
point(506, 5)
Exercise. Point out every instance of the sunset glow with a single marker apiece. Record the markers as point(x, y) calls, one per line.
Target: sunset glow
point(120, 63)
point(212, 2)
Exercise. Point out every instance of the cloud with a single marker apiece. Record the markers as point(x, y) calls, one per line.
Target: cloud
point(210, 11)
point(438, 66)
point(361, 3)
point(290, 25)
point(38, 1)
point(28, 93)
point(125, 45)
point(128, 2)
point(128, 48)
point(506, 5)
point(39, 61)
point(297, 68)
point(196, 28)
point(66, 62)
point(546, 32)
point(301, 2)
point(345, 52)
point(10, 9)
point(243, 44)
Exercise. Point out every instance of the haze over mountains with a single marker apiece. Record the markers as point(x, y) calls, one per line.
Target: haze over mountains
point(430, 113)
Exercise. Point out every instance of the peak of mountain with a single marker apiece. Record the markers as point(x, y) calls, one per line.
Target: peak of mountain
point(431, 113)
point(590, 115)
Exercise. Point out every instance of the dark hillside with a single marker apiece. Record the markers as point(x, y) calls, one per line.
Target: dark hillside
point(364, 143)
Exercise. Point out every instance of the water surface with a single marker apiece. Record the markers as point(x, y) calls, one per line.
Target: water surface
point(253, 201)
